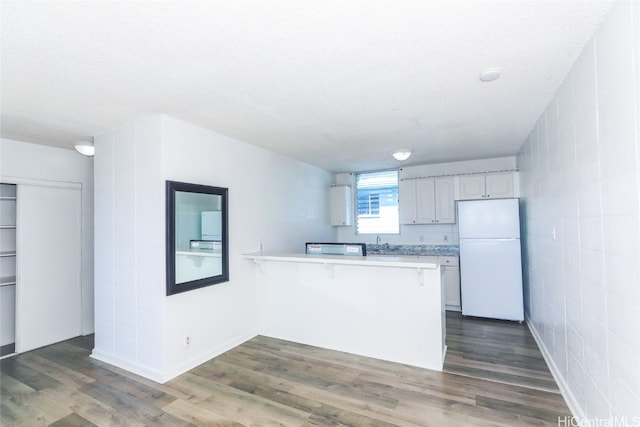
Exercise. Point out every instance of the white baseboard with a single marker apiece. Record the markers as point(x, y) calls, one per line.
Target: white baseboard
point(143, 371)
point(572, 403)
point(163, 377)
point(208, 355)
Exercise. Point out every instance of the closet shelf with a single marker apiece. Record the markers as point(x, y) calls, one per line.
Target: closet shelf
point(7, 281)
point(7, 253)
point(7, 227)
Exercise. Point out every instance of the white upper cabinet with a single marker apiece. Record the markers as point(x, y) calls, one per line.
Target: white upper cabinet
point(490, 186)
point(407, 201)
point(341, 205)
point(472, 187)
point(500, 186)
point(426, 201)
point(445, 204)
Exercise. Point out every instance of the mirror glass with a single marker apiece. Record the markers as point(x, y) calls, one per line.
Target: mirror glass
point(197, 236)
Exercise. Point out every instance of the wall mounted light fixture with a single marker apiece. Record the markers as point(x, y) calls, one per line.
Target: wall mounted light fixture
point(85, 148)
point(491, 74)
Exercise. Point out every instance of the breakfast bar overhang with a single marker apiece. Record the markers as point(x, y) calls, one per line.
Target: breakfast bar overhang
point(389, 308)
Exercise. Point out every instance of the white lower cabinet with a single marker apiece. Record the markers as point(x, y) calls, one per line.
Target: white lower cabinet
point(451, 280)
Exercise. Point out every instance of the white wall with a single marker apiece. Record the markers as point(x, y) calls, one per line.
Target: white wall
point(129, 248)
point(579, 174)
point(26, 161)
point(273, 200)
point(432, 234)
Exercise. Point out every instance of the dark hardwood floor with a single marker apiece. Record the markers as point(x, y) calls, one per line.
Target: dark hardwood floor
point(496, 378)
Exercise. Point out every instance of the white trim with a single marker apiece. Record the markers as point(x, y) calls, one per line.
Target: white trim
point(162, 377)
point(40, 182)
point(568, 396)
point(207, 355)
point(137, 369)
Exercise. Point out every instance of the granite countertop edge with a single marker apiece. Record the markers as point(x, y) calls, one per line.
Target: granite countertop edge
point(413, 250)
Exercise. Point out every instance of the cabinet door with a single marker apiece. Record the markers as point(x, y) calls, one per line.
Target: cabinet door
point(472, 187)
point(499, 186)
point(451, 278)
point(445, 211)
point(341, 205)
point(407, 202)
point(425, 201)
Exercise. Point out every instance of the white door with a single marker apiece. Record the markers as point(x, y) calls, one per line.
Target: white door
point(485, 219)
point(48, 289)
point(491, 278)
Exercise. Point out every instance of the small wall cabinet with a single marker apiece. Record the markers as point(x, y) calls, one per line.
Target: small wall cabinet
point(341, 200)
point(489, 186)
point(427, 201)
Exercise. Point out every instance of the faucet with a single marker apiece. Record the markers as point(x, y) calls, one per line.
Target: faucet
point(378, 240)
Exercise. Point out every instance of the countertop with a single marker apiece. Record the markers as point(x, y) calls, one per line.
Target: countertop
point(369, 260)
point(420, 250)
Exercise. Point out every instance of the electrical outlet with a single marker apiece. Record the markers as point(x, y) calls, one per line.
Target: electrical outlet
point(446, 238)
point(187, 341)
point(260, 246)
point(421, 238)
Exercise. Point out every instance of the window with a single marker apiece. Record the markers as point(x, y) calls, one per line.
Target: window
point(369, 204)
point(377, 202)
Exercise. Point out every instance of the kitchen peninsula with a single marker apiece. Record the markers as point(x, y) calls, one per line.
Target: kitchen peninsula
point(384, 307)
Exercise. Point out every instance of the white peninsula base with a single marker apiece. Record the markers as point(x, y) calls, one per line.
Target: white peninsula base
point(382, 307)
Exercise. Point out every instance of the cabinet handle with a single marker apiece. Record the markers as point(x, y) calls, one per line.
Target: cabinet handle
point(488, 195)
point(437, 220)
point(483, 196)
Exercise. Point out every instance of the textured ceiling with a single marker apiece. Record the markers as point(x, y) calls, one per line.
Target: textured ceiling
point(337, 84)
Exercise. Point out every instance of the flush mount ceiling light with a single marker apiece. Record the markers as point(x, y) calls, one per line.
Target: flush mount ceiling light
point(85, 148)
point(491, 74)
point(402, 154)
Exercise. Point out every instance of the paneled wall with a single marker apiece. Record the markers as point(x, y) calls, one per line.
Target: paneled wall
point(274, 201)
point(579, 174)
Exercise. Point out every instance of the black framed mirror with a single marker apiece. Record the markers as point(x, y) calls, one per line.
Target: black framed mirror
point(197, 236)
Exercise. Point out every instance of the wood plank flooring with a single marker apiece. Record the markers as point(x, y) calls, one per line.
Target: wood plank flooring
point(268, 382)
point(495, 350)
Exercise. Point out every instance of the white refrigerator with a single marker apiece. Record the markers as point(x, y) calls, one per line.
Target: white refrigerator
point(212, 225)
point(490, 259)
